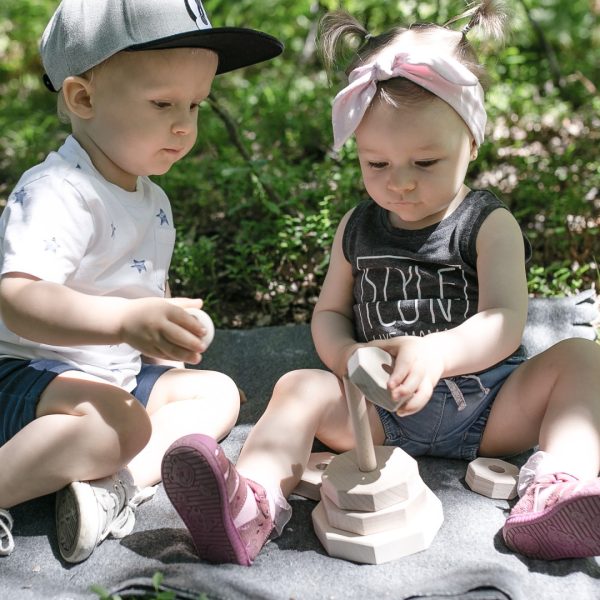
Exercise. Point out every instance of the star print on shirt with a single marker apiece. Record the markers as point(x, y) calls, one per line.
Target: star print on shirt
point(140, 265)
point(51, 245)
point(113, 230)
point(20, 196)
point(162, 215)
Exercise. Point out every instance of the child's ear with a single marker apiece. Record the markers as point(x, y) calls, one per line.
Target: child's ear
point(474, 149)
point(77, 96)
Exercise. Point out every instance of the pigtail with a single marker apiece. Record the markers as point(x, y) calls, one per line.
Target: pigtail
point(336, 32)
point(488, 16)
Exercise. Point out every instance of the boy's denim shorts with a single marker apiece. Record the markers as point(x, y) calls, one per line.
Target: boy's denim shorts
point(22, 382)
point(451, 424)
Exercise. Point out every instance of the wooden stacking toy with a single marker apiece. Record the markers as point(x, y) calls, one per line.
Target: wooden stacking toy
point(310, 484)
point(374, 505)
point(366, 370)
point(493, 478)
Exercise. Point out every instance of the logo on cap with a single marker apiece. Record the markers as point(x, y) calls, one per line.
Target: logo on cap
point(196, 12)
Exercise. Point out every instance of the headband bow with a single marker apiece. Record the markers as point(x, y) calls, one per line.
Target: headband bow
point(443, 76)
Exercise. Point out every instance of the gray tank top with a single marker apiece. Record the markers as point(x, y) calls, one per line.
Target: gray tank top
point(415, 282)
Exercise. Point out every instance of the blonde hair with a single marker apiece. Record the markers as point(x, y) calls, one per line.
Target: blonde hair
point(339, 29)
point(64, 116)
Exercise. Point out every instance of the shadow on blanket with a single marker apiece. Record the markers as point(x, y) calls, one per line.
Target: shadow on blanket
point(467, 559)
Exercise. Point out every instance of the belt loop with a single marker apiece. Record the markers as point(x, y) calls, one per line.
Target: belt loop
point(456, 394)
point(481, 386)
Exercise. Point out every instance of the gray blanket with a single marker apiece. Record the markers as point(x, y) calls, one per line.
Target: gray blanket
point(466, 560)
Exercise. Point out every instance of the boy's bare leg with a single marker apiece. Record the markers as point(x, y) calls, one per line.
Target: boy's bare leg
point(185, 401)
point(86, 429)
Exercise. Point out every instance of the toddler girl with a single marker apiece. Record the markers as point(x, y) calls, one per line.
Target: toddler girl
point(434, 273)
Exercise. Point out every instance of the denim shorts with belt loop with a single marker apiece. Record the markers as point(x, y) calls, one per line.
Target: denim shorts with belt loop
point(451, 424)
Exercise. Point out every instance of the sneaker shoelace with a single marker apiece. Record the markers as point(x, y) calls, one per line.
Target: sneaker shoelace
point(110, 501)
point(7, 543)
point(124, 522)
point(550, 489)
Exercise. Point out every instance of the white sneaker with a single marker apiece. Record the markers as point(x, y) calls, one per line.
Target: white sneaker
point(7, 543)
point(87, 512)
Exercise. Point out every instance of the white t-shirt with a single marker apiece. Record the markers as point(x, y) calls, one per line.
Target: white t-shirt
point(66, 224)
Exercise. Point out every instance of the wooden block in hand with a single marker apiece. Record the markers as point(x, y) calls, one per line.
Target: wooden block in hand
point(366, 371)
point(310, 484)
point(493, 478)
point(206, 322)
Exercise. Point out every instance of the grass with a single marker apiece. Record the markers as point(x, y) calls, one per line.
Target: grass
point(158, 593)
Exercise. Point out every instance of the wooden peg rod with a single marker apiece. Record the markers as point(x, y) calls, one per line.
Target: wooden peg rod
point(357, 405)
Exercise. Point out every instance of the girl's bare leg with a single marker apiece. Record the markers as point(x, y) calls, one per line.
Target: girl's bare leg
point(553, 400)
point(305, 404)
point(247, 502)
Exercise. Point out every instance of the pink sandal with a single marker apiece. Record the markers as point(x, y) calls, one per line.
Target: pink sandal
point(208, 493)
point(558, 517)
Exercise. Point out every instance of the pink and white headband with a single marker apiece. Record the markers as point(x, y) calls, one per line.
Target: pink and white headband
point(443, 76)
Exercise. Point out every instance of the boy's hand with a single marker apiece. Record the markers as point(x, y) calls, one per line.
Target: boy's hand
point(164, 329)
point(206, 322)
point(416, 371)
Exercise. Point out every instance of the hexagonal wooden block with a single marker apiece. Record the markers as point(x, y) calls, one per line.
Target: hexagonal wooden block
point(378, 548)
point(366, 372)
point(366, 522)
point(493, 478)
point(395, 479)
point(310, 484)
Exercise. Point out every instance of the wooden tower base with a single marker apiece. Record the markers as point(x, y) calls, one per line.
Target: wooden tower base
point(374, 505)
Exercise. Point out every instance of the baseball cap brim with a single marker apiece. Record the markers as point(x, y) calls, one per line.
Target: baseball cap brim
point(237, 47)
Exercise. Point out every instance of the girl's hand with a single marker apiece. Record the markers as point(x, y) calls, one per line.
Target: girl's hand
point(163, 329)
point(416, 371)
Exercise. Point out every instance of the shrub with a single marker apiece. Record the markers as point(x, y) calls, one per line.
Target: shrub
point(258, 200)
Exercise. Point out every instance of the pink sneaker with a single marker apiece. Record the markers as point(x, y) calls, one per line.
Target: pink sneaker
point(208, 493)
point(558, 517)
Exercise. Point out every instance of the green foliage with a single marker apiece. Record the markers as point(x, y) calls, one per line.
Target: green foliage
point(258, 199)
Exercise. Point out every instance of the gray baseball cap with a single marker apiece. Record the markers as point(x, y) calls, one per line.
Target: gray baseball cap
point(83, 33)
